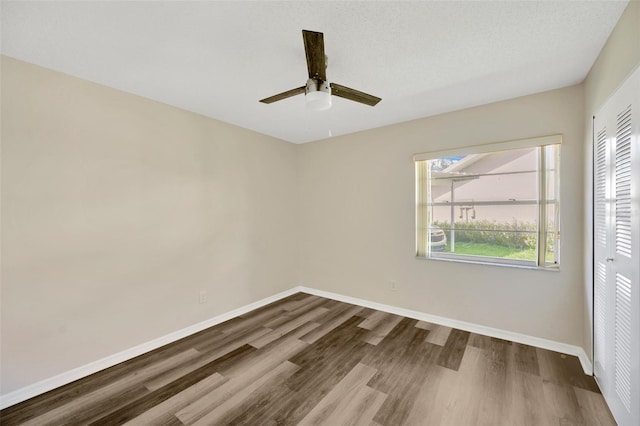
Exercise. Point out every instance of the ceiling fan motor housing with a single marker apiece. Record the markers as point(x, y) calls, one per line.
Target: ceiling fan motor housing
point(318, 94)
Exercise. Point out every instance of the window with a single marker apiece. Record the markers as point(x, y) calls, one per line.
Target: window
point(496, 204)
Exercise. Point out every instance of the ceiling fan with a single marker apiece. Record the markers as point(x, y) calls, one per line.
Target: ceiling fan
point(318, 90)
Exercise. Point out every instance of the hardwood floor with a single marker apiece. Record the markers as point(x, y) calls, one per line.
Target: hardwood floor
point(308, 360)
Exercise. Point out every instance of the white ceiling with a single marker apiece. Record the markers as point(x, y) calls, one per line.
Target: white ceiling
point(219, 58)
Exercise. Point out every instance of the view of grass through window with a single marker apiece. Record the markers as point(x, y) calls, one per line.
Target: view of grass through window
point(485, 238)
point(481, 239)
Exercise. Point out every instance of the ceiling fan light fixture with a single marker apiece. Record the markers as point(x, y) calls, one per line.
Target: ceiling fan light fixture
point(317, 95)
point(318, 101)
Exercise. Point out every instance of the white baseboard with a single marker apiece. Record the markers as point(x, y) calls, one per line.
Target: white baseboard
point(67, 377)
point(46, 385)
point(462, 325)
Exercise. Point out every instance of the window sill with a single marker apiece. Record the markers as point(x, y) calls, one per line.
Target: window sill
point(554, 268)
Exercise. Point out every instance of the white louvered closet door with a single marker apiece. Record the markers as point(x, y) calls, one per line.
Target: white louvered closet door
point(616, 293)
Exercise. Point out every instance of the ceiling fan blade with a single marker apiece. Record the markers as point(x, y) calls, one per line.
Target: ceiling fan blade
point(314, 49)
point(283, 95)
point(354, 95)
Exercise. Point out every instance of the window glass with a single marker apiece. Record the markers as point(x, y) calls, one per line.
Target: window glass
point(494, 207)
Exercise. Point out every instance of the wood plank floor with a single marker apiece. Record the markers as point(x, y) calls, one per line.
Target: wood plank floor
point(308, 360)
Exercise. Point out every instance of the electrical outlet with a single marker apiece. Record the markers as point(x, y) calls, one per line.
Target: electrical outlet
point(393, 285)
point(202, 297)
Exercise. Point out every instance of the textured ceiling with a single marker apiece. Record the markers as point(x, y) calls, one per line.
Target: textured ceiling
point(219, 58)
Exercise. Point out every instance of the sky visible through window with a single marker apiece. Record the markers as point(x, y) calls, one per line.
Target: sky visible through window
point(440, 164)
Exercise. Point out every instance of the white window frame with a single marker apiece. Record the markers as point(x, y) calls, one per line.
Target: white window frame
point(423, 203)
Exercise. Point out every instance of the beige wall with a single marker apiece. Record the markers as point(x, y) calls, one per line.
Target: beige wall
point(117, 211)
point(357, 201)
point(617, 60)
